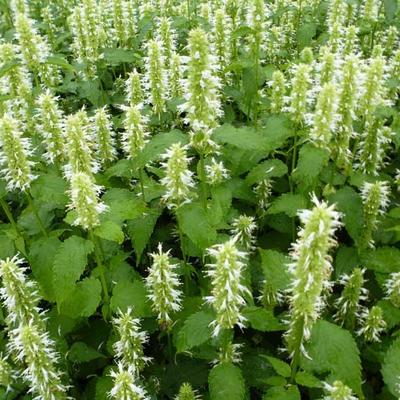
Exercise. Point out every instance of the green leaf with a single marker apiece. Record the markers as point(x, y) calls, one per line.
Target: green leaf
point(280, 367)
point(60, 62)
point(262, 320)
point(51, 189)
point(226, 382)
point(131, 294)
point(80, 352)
point(289, 204)
point(333, 350)
point(391, 7)
point(109, 230)
point(192, 219)
point(282, 393)
point(384, 259)
point(7, 248)
point(83, 300)
point(310, 164)
point(277, 129)
point(303, 378)
point(69, 264)
point(274, 265)
point(140, 230)
point(195, 331)
point(122, 205)
point(41, 258)
point(245, 138)
point(349, 203)
point(391, 368)
point(305, 34)
point(158, 145)
point(116, 56)
point(267, 169)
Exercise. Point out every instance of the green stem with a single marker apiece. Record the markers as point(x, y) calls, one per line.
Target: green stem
point(141, 184)
point(186, 275)
point(99, 257)
point(202, 171)
point(297, 351)
point(35, 211)
point(9, 215)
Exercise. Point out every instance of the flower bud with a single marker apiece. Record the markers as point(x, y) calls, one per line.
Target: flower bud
point(393, 289)
point(125, 386)
point(338, 391)
point(372, 324)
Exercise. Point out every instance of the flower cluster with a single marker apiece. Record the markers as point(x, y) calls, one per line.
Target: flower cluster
point(178, 180)
point(310, 269)
point(163, 286)
point(227, 285)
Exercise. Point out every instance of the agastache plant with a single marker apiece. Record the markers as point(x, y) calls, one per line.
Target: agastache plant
point(104, 136)
point(79, 145)
point(84, 194)
point(187, 393)
point(49, 117)
point(15, 154)
point(178, 180)
point(129, 346)
point(372, 324)
point(349, 304)
point(19, 295)
point(310, 269)
point(201, 91)
point(375, 198)
point(135, 136)
point(392, 286)
point(35, 348)
point(125, 386)
point(155, 79)
point(243, 232)
point(163, 286)
point(338, 391)
point(134, 90)
point(228, 289)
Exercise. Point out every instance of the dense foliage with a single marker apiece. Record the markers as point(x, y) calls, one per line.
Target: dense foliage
point(199, 199)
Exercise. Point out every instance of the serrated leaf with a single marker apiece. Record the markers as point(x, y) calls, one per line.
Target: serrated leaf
point(83, 300)
point(80, 352)
point(266, 169)
point(51, 189)
point(192, 219)
point(245, 138)
point(305, 34)
point(274, 265)
point(333, 350)
point(195, 331)
point(383, 259)
point(310, 164)
point(110, 230)
point(289, 204)
point(280, 367)
point(303, 378)
point(116, 56)
point(391, 7)
point(131, 294)
point(282, 393)
point(122, 205)
point(140, 230)
point(7, 248)
point(391, 368)
point(349, 203)
point(262, 320)
point(158, 145)
point(69, 264)
point(226, 382)
point(60, 61)
point(41, 258)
